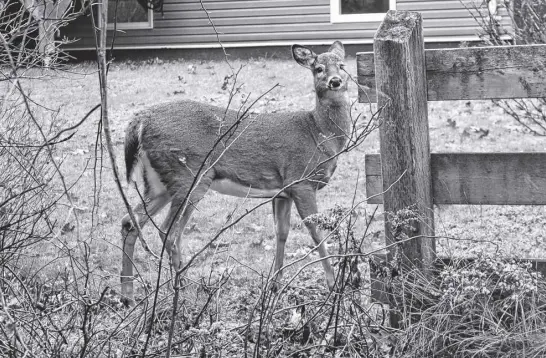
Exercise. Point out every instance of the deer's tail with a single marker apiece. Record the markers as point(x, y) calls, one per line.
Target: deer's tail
point(132, 147)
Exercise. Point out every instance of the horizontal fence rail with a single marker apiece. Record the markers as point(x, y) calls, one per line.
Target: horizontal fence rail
point(475, 178)
point(472, 73)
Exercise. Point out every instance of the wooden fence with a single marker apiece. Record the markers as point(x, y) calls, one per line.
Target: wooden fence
point(403, 77)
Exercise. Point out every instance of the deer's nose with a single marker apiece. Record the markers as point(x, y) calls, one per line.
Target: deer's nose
point(335, 82)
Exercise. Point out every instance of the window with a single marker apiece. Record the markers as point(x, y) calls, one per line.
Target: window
point(130, 15)
point(360, 10)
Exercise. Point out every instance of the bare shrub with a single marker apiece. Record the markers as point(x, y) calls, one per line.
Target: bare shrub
point(33, 317)
point(529, 27)
point(303, 320)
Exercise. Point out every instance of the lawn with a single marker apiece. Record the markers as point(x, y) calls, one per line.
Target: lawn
point(454, 126)
point(246, 251)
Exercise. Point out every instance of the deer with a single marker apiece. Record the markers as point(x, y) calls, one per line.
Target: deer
point(286, 157)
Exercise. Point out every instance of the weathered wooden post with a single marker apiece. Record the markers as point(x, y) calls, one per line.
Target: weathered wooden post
point(399, 58)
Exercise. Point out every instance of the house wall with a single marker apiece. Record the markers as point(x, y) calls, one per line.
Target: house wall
point(243, 23)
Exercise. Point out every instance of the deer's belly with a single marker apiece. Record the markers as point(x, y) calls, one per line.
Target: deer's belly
point(229, 187)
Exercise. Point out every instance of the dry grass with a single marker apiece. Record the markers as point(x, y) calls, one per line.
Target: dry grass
point(492, 306)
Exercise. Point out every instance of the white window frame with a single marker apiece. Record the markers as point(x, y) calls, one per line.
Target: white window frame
point(132, 25)
point(337, 17)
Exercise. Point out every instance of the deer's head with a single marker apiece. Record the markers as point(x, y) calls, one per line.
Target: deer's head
point(328, 69)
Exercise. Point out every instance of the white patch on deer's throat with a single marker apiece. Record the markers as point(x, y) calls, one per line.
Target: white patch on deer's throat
point(229, 187)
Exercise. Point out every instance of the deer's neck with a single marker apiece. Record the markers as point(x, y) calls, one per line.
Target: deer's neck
point(332, 116)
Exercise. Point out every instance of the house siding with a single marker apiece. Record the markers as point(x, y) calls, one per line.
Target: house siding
point(184, 24)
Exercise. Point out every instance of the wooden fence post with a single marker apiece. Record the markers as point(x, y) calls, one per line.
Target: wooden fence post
point(399, 58)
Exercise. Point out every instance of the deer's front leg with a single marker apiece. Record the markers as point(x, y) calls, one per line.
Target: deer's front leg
point(281, 213)
point(306, 202)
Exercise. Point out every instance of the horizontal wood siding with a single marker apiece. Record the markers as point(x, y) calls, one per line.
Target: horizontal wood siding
point(264, 22)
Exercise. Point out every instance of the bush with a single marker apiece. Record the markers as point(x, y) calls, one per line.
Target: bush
point(33, 310)
point(491, 306)
point(529, 27)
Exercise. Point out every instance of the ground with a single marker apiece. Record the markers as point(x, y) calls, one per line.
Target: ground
point(247, 250)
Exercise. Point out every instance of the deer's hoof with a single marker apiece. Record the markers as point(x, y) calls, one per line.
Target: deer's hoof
point(128, 302)
point(127, 224)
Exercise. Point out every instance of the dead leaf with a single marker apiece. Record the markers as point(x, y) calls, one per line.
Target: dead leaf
point(68, 227)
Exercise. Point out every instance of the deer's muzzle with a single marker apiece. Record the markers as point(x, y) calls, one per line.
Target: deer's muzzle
point(334, 83)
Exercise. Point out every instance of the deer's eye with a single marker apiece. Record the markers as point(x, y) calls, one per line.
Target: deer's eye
point(319, 70)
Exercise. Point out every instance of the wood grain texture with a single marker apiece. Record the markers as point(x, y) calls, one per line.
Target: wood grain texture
point(474, 73)
point(404, 134)
point(476, 178)
point(374, 181)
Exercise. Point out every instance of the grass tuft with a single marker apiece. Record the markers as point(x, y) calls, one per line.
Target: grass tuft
point(491, 306)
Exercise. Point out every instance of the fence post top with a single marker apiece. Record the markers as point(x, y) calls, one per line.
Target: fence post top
point(398, 25)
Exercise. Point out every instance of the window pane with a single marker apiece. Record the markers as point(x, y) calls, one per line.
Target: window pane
point(128, 11)
point(364, 6)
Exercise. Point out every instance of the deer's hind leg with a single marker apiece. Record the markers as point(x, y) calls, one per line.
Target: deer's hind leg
point(147, 208)
point(179, 215)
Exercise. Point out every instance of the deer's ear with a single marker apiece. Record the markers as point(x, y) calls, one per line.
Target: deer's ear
point(303, 55)
point(338, 49)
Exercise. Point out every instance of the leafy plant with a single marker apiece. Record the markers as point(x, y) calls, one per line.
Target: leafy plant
point(490, 306)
